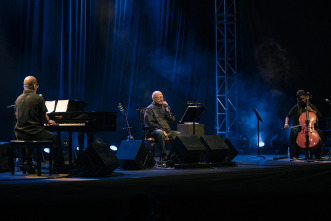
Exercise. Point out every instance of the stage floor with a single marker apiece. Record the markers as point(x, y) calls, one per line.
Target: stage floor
point(252, 188)
point(241, 163)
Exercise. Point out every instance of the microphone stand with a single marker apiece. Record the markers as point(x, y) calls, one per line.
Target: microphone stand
point(258, 117)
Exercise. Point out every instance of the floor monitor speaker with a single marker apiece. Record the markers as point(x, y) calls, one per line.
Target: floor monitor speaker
point(232, 153)
point(134, 155)
point(217, 149)
point(189, 149)
point(96, 161)
point(4, 156)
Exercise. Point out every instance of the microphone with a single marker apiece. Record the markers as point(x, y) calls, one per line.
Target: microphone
point(166, 105)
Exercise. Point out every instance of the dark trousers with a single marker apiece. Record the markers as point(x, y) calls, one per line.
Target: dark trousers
point(295, 149)
point(159, 137)
point(27, 153)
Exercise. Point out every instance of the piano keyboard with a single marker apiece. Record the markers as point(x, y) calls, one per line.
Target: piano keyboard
point(69, 125)
point(82, 121)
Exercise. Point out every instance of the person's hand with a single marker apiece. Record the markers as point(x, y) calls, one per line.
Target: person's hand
point(166, 105)
point(165, 134)
point(286, 126)
point(51, 122)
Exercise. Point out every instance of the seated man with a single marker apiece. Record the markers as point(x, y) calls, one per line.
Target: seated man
point(158, 118)
point(30, 112)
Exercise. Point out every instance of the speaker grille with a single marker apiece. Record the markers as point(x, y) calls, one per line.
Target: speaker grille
point(96, 161)
point(134, 155)
point(232, 153)
point(217, 149)
point(189, 149)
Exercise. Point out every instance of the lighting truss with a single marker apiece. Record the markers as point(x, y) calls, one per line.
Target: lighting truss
point(226, 68)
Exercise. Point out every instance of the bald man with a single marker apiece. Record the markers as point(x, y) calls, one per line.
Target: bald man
point(30, 112)
point(158, 119)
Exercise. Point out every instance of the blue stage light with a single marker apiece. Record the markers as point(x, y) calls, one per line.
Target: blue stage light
point(261, 144)
point(113, 148)
point(46, 150)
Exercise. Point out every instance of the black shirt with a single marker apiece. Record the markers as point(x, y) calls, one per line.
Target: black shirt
point(156, 117)
point(30, 110)
point(297, 110)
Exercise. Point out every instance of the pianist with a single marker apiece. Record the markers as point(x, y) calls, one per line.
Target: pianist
point(30, 112)
point(158, 118)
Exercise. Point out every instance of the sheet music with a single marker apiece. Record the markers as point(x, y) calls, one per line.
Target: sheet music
point(50, 105)
point(62, 106)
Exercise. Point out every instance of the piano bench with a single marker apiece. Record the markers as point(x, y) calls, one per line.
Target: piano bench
point(31, 144)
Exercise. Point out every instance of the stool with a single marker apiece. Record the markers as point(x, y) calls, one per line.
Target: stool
point(31, 144)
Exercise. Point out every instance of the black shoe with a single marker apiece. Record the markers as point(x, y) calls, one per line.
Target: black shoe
point(27, 167)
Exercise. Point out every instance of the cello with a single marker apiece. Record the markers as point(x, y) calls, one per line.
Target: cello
point(308, 138)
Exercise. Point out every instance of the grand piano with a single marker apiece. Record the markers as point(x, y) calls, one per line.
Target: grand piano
point(82, 121)
point(73, 119)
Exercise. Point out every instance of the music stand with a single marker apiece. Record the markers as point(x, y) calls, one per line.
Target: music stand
point(258, 117)
point(193, 114)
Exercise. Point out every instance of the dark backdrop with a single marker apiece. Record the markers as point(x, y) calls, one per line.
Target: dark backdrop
point(106, 52)
point(283, 46)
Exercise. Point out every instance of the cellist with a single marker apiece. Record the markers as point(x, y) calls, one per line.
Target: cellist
point(295, 112)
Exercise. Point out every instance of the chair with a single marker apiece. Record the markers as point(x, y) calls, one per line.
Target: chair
point(31, 144)
point(150, 141)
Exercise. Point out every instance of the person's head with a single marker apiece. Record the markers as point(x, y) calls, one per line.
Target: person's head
point(30, 83)
point(301, 97)
point(157, 97)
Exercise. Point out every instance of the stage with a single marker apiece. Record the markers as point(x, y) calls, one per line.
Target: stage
point(273, 187)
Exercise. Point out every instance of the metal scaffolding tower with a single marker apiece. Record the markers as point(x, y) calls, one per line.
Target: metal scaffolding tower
point(226, 68)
